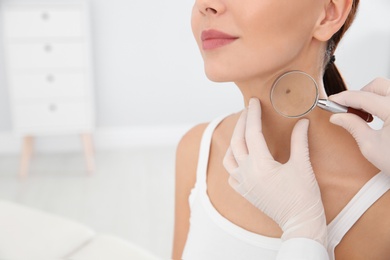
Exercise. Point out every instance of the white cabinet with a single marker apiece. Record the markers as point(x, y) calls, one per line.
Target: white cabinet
point(49, 69)
point(46, 55)
point(67, 20)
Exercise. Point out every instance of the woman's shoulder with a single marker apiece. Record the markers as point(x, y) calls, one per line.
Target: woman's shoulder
point(187, 153)
point(377, 227)
point(186, 164)
point(189, 144)
point(369, 238)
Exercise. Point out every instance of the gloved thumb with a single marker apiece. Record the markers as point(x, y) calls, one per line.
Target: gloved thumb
point(353, 124)
point(299, 141)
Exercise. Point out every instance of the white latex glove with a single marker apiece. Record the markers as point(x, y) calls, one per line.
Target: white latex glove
point(288, 193)
point(375, 99)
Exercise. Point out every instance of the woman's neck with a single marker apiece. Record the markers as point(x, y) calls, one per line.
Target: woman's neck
point(277, 129)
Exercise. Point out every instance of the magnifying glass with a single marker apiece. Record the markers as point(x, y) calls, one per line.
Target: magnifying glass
point(295, 93)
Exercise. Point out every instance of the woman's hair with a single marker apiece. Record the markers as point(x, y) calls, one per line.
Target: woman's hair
point(332, 78)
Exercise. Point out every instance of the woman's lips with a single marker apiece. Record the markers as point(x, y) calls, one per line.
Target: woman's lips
point(212, 39)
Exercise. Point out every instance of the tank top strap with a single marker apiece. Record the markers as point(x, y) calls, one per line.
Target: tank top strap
point(364, 199)
point(204, 152)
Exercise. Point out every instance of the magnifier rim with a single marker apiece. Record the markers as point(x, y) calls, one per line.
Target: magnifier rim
point(315, 100)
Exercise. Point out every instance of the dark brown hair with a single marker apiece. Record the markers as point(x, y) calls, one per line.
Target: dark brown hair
point(333, 81)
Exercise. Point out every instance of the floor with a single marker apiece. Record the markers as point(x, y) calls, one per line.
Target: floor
point(131, 194)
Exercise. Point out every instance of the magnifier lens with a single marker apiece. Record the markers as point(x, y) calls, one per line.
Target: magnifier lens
point(294, 94)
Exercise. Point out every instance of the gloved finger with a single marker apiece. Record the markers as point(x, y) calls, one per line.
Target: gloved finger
point(368, 101)
point(254, 136)
point(239, 187)
point(238, 142)
point(380, 86)
point(229, 162)
point(299, 142)
point(355, 126)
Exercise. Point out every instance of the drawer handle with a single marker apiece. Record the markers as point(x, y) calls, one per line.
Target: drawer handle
point(45, 16)
point(48, 48)
point(50, 78)
point(52, 107)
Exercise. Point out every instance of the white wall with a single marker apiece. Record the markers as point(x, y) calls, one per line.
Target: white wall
point(365, 51)
point(148, 69)
point(149, 73)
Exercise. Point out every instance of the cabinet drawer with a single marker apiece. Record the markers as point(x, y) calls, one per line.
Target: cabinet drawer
point(43, 21)
point(48, 85)
point(46, 55)
point(51, 115)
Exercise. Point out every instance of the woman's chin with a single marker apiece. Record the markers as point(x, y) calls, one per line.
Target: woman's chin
point(218, 77)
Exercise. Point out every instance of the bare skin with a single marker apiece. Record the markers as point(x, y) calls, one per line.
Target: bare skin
point(339, 181)
point(259, 54)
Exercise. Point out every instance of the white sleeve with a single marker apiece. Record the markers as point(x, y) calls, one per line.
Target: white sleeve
point(302, 249)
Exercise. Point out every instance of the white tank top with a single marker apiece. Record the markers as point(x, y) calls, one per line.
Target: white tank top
point(211, 236)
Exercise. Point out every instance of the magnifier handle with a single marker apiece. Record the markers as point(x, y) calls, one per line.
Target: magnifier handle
point(337, 108)
point(362, 114)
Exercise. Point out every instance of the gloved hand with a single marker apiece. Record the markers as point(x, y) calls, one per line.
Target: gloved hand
point(375, 99)
point(288, 193)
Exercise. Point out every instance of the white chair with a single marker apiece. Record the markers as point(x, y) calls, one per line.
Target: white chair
point(27, 233)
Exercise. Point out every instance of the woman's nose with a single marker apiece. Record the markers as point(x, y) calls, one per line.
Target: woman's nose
point(210, 7)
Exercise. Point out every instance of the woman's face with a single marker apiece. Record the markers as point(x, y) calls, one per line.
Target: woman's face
point(259, 36)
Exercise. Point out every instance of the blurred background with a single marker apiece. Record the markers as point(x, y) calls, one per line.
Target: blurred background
point(146, 88)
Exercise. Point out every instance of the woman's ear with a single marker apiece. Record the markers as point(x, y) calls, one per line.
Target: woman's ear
point(334, 15)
